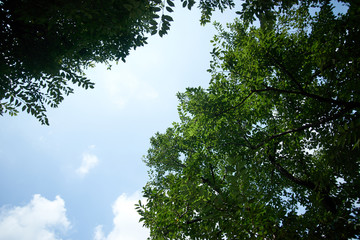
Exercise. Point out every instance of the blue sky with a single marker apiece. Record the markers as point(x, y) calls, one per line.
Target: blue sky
point(80, 177)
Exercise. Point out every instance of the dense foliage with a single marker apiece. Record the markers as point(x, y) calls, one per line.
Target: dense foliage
point(46, 45)
point(271, 149)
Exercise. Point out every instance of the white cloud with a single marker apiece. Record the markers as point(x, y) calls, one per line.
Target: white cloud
point(126, 221)
point(41, 219)
point(89, 161)
point(126, 87)
point(92, 147)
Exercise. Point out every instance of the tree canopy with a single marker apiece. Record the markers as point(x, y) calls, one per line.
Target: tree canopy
point(46, 45)
point(270, 150)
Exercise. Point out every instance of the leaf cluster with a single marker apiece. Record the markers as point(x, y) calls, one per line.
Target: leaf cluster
point(46, 40)
point(276, 129)
point(46, 45)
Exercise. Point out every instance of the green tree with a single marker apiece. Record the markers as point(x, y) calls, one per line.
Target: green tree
point(271, 149)
point(46, 45)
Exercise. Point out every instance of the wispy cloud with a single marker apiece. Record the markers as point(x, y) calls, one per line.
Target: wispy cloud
point(126, 221)
point(40, 219)
point(88, 162)
point(127, 87)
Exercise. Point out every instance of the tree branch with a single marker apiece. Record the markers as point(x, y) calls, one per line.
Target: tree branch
point(350, 104)
point(302, 91)
point(303, 127)
point(237, 105)
point(193, 220)
point(210, 184)
point(327, 201)
point(284, 69)
point(307, 184)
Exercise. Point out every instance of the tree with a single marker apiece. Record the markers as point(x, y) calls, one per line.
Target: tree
point(271, 149)
point(46, 45)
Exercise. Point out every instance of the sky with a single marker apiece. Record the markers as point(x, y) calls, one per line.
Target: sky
point(80, 177)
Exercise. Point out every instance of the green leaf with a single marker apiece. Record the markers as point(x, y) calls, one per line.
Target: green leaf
point(258, 142)
point(153, 23)
point(168, 18)
point(184, 4)
point(170, 3)
point(154, 16)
